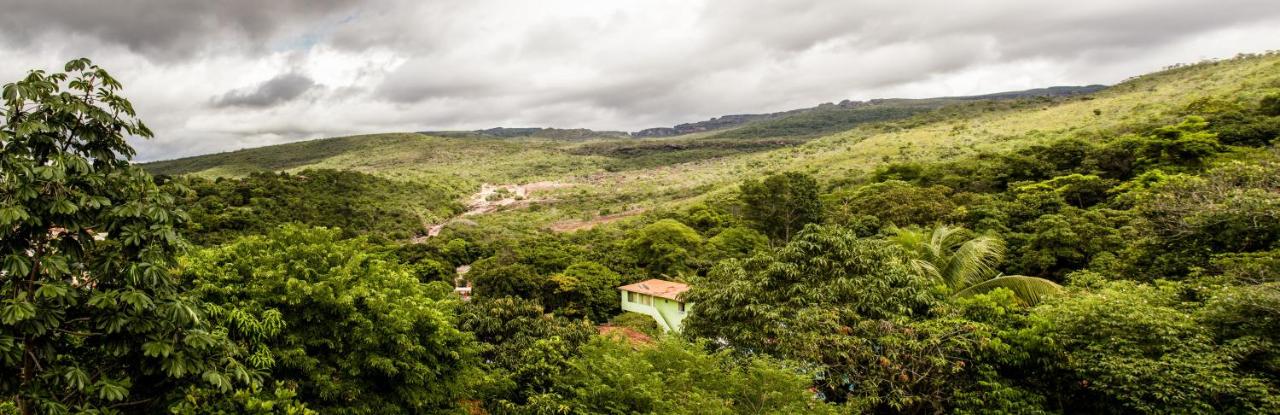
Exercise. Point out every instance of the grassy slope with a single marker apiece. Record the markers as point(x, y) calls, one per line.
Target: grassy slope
point(1151, 99)
point(951, 132)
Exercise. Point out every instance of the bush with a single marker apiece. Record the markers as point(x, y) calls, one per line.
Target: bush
point(355, 332)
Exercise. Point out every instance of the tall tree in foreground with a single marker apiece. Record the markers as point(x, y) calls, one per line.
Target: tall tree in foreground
point(89, 319)
point(966, 264)
point(675, 377)
point(357, 333)
point(782, 204)
point(844, 304)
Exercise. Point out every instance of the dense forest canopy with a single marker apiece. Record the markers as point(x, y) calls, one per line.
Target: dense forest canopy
point(1123, 266)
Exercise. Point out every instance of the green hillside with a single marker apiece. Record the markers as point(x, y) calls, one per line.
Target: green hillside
point(625, 174)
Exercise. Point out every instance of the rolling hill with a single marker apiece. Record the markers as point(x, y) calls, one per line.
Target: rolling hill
point(607, 173)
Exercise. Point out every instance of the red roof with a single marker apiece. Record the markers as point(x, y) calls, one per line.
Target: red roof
point(657, 288)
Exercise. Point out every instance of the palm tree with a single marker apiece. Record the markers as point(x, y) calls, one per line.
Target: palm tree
point(966, 264)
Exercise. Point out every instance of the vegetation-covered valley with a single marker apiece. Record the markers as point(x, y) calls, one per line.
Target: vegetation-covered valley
point(1107, 251)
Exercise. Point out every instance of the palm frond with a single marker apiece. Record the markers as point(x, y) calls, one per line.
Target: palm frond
point(1029, 290)
point(974, 261)
point(925, 269)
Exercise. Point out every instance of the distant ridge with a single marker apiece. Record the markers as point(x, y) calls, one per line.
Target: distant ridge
point(730, 121)
point(725, 122)
point(1053, 91)
point(537, 132)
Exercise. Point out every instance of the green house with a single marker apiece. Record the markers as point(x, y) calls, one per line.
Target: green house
point(659, 299)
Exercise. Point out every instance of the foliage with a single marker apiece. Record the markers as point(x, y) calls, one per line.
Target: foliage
point(666, 247)
point(280, 400)
point(1184, 218)
point(966, 264)
point(1185, 144)
point(632, 155)
point(736, 242)
point(678, 378)
point(782, 204)
point(891, 203)
point(520, 268)
point(357, 333)
point(1132, 348)
point(90, 321)
point(585, 289)
point(1055, 244)
point(844, 303)
point(358, 203)
point(522, 348)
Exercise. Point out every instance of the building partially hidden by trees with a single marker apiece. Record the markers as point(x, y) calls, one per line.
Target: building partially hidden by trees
point(659, 299)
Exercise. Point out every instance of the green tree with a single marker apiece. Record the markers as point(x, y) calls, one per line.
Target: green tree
point(358, 203)
point(1127, 347)
point(1056, 244)
point(522, 348)
point(1182, 219)
point(358, 334)
point(1081, 190)
point(493, 279)
point(585, 289)
point(675, 377)
point(736, 242)
point(1187, 144)
point(891, 202)
point(966, 264)
point(521, 267)
point(89, 319)
point(844, 304)
point(782, 204)
point(666, 247)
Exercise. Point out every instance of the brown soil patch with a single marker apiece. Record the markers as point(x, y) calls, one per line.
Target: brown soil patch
point(579, 225)
point(631, 335)
point(490, 198)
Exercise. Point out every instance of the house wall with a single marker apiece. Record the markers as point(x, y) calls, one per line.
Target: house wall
point(666, 312)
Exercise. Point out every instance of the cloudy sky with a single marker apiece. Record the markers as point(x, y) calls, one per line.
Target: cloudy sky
point(213, 76)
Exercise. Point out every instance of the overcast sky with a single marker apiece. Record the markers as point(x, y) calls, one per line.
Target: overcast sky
point(212, 76)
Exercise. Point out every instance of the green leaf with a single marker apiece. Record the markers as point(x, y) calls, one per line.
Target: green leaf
point(76, 378)
point(138, 299)
point(12, 214)
point(199, 339)
point(111, 391)
point(17, 265)
point(16, 311)
point(103, 299)
point(157, 349)
point(51, 290)
point(221, 381)
point(1028, 290)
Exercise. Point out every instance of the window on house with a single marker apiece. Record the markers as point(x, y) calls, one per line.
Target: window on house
point(631, 297)
point(681, 307)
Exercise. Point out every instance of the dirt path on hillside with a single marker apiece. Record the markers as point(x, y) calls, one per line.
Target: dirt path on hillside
point(582, 225)
point(492, 197)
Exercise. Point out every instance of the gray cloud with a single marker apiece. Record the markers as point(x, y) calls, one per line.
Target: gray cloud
point(345, 66)
point(280, 89)
point(172, 29)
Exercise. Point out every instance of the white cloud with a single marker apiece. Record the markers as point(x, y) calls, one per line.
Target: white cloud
point(342, 67)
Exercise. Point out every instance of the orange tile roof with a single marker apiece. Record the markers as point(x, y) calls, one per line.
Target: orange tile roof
point(657, 288)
